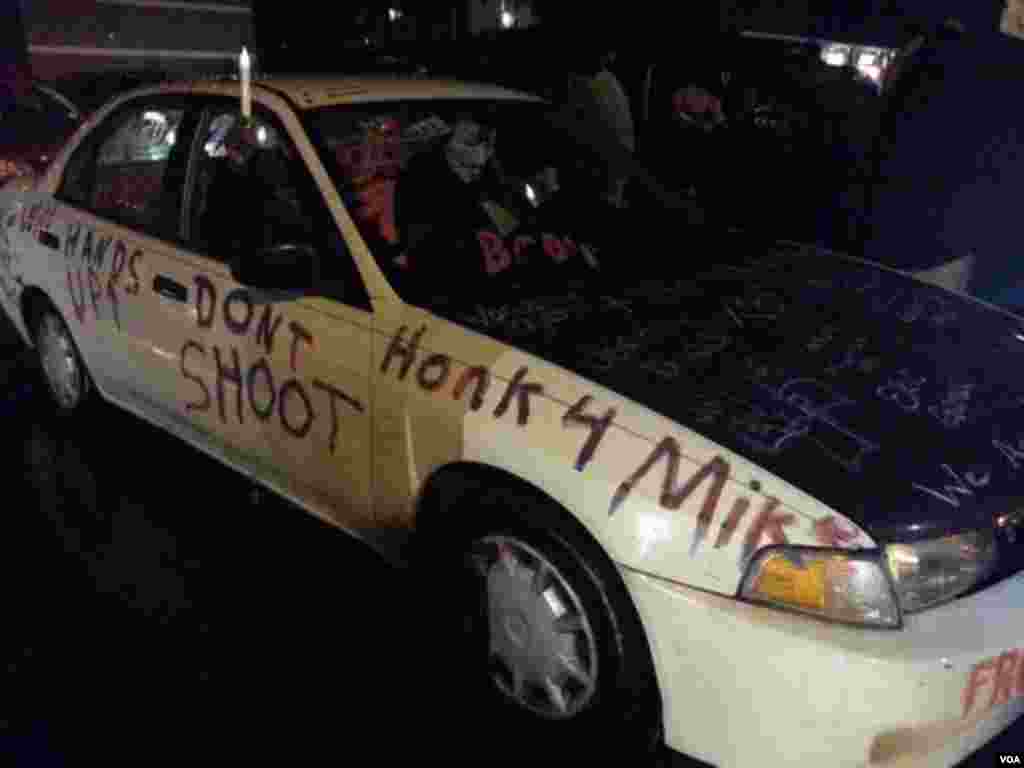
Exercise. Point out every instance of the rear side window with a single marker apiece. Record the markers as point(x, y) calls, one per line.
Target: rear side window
point(131, 169)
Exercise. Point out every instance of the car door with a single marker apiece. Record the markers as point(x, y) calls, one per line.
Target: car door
point(118, 218)
point(287, 365)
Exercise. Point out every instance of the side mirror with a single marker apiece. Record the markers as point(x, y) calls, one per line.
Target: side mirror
point(285, 267)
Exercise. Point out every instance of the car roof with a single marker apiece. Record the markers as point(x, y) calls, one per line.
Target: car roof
point(311, 92)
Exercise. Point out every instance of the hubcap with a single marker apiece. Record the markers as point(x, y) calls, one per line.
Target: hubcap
point(57, 354)
point(542, 647)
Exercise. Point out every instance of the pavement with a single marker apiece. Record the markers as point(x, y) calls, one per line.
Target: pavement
point(158, 611)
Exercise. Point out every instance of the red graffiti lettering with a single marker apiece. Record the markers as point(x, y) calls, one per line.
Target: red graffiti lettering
point(496, 256)
point(433, 372)
point(767, 525)
point(1004, 679)
point(516, 388)
point(554, 249)
point(830, 532)
point(975, 681)
point(519, 246)
point(483, 381)
point(95, 290)
point(399, 348)
point(672, 497)
point(598, 426)
point(204, 404)
point(291, 401)
point(739, 509)
point(77, 298)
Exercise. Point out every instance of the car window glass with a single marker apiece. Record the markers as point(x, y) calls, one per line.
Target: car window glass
point(252, 192)
point(473, 195)
point(126, 172)
point(241, 172)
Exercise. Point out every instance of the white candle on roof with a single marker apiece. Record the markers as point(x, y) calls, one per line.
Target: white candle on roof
point(244, 65)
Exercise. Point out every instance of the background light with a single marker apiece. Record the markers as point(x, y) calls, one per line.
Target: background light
point(836, 55)
point(508, 19)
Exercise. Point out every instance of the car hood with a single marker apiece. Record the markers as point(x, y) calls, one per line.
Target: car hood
point(897, 403)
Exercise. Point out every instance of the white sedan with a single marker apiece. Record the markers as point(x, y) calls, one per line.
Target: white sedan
point(751, 499)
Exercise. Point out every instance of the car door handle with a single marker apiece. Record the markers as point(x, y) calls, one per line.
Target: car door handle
point(169, 288)
point(49, 239)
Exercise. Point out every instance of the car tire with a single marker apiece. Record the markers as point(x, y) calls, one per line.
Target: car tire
point(551, 644)
point(67, 379)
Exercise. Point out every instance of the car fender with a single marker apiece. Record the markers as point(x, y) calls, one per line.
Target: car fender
point(659, 497)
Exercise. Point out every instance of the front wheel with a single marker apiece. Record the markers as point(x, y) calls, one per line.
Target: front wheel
point(551, 636)
point(63, 368)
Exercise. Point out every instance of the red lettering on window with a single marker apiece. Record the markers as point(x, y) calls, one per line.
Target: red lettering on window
point(497, 257)
point(554, 249)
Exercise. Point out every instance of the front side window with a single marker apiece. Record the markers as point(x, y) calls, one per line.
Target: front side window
point(251, 192)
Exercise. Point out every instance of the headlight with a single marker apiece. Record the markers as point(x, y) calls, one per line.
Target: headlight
point(929, 572)
point(833, 584)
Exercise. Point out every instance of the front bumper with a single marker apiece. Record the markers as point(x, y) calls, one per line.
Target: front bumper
point(747, 685)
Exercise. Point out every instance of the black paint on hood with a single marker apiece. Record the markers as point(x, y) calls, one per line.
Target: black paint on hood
point(898, 404)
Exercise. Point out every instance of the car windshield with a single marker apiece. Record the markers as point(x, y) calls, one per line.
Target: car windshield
point(483, 198)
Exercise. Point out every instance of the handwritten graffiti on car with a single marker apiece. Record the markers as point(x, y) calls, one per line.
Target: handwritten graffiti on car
point(499, 253)
point(1003, 673)
point(266, 327)
point(956, 484)
point(768, 525)
point(402, 357)
point(799, 409)
point(8, 279)
point(536, 315)
point(903, 390)
point(605, 357)
point(1014, 454)
point(829, 531)
point(754, 305)
point(85, 254)
point(951, 410)
point(434, 370)
point(37, 217)
point(257, 385)
point(854, 357)
point(911, 304)
point(407, 351)
point(598, 425)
